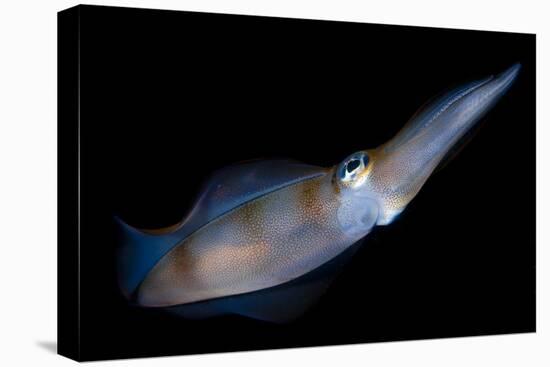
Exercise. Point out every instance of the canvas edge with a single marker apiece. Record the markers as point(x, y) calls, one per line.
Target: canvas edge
point(68, 215)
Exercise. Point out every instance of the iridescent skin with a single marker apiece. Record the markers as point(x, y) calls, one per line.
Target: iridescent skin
point(266, 242)
point(293, 230)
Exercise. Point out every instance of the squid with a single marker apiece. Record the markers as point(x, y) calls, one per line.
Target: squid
point(261, 232)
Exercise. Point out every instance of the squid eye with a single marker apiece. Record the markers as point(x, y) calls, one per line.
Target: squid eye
point(353, 165)
point(349, 169)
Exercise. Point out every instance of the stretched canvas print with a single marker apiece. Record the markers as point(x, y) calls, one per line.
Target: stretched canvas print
point(231, 183)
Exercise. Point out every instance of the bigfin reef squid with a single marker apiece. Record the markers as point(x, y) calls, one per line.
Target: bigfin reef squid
point(264, 238)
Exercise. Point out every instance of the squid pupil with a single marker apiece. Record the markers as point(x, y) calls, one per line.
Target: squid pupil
point(365, 160)
point(352, 165)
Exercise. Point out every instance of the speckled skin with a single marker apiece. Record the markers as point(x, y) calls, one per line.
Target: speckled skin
point(266, 242)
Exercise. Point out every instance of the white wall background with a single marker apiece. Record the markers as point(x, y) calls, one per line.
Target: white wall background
point(28, 182)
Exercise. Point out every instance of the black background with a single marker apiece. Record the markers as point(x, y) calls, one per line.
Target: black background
point(168, 97)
